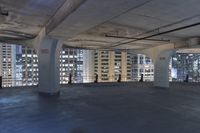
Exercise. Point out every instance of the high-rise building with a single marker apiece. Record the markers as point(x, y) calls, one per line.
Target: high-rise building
point(88, 66)
point(184, 64)
point(71, 62)
point(30, 66)
point(141, 64)
point(109, 65)
point(7, 61)
point(19, 65)
point(26, 66)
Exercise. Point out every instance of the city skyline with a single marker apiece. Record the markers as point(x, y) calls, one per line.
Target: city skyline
point(19, 66)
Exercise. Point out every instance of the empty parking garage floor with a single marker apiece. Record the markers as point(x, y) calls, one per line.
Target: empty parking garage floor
point(103, 108)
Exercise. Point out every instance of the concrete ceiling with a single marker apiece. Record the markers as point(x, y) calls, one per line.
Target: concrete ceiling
point(191, 50)
point(85, 23)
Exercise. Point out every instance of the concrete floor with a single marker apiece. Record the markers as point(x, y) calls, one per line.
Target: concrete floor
point(103, 108)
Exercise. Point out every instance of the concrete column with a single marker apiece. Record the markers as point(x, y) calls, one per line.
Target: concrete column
point(161, 56)
point(161, 69)
point(49, 52)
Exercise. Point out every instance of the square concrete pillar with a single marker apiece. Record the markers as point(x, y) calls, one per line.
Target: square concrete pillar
point(49, 75)
point(161, 69)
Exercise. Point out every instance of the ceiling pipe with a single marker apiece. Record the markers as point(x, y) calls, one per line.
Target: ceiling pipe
point(158, 34)
point(158, 40)
point(168, 25)
point(161, 27)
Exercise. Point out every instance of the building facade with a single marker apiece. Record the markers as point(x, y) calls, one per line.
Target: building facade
point(7, 61)
point(184, 64)
point(71, 62)
point(141, 64)
point(19, 65)
point(88, 66)
point(109, 65)
point(26, 66)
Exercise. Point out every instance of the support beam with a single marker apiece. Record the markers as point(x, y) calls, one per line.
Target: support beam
point(49, 81)
point(65, 10)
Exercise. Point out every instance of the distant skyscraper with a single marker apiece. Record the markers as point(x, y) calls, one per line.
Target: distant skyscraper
point(88, 66)
point(110, 64)
point(26, 66)
point(184, 64)
point(141, 64)
point(19, 66)
point(7, 61)
point(71, 62)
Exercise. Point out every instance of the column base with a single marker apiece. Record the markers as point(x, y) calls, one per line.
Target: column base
point(161, 85)
point(49, 94)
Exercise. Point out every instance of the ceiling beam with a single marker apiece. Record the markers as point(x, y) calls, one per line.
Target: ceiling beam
point(62, 13)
